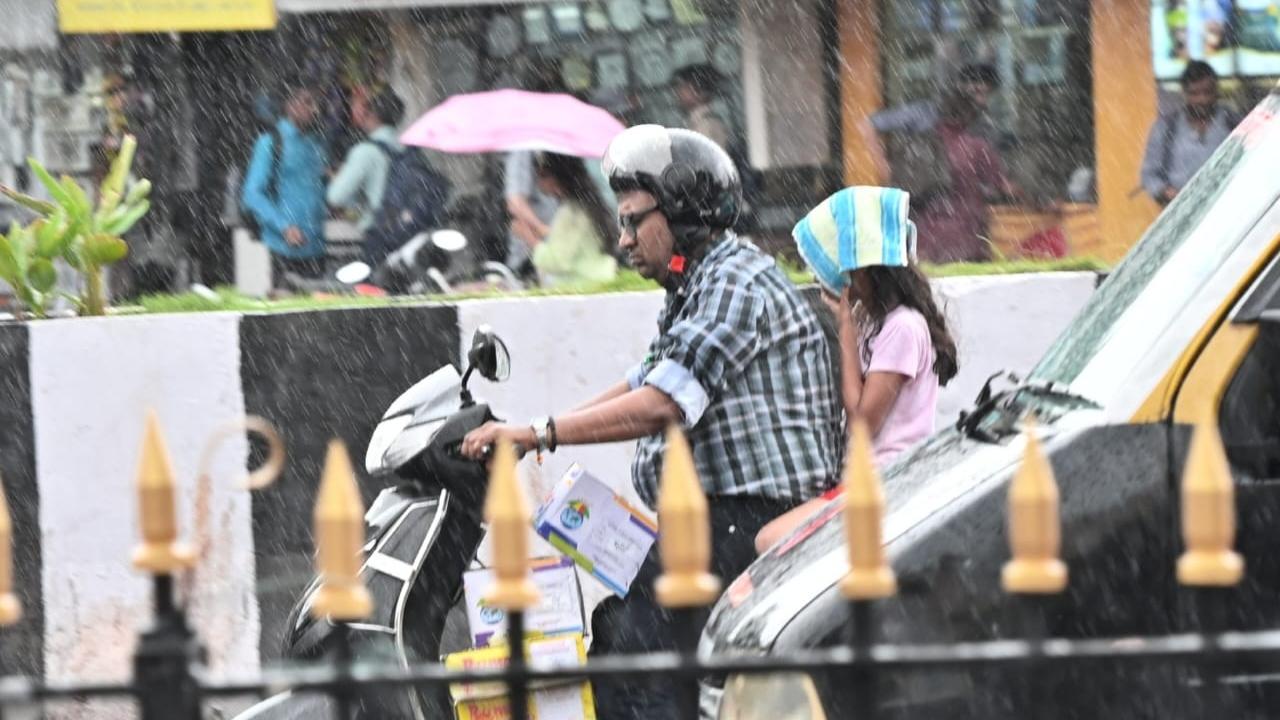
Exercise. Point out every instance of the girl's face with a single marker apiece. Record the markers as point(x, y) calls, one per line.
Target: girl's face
point(859, 288)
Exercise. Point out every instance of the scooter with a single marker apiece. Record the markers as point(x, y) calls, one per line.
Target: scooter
point(421, 534)
point(430, 263)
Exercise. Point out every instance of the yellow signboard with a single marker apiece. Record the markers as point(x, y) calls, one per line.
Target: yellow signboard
point(137, 16)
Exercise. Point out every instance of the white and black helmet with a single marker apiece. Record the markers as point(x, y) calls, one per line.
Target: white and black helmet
point(693, 178)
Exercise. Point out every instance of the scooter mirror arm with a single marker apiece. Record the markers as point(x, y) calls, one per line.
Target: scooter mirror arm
point(465, 395)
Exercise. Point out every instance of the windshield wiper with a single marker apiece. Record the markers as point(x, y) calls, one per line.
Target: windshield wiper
point(971, 423)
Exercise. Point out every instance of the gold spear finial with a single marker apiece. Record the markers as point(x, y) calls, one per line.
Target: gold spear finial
point(160, 552)
point(1208, 515)
point(507, 512)
point(684, 540)
point(1035, 528)
point(10, 608)
point(870, 576)
point(339, 526)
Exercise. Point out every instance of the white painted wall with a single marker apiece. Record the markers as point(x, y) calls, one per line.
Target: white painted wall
point(92, 383)
point(566, 349)
point(1004, 322)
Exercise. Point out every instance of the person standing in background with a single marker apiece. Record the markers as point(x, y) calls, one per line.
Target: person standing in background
point(576, 250)
point(696, 86)
point(362, 180)
point(951, 206)
point(530, 209)
point(1181, 141)
point(284, 186)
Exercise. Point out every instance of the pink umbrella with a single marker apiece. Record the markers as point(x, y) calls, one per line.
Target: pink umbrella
point(504, 120)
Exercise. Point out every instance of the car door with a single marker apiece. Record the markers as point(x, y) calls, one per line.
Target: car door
point(1234, 385)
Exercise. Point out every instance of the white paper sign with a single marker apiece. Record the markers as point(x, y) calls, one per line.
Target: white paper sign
point(559, 608)
point(605, 535)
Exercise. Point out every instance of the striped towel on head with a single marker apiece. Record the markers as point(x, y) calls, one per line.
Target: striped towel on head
point(856, 228)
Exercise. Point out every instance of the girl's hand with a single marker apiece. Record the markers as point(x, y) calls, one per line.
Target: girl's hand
point(846, 325)
point(838, 307)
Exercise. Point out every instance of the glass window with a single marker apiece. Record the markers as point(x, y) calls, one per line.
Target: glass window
point(1042, 111)
point(1207, 222)
point(1249, 418)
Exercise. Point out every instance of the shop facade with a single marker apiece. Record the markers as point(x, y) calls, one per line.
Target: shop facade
point(777, 61)
point(1082, 82)
point(1078, 90)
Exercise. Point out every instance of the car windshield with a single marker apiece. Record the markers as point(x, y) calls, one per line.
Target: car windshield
point(1202, 227)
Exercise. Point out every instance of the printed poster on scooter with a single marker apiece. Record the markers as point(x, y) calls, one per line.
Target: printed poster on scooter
point(563, 700)
point(605, 535)
point(558, 611)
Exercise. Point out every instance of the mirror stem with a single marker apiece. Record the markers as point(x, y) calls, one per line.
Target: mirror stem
point(467, 400)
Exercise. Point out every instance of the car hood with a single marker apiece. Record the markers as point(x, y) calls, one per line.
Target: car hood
point(944, 522)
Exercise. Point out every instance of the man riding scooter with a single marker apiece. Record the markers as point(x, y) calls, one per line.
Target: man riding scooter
point(740, 362)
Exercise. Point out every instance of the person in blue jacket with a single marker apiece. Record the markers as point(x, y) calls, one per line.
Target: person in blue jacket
point(284, 188)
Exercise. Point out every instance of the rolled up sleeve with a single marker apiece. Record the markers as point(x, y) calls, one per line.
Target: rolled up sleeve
point(635, 377)
point(712, 344)
point(682, 387)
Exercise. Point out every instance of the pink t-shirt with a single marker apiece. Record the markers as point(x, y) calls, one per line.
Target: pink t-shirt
point(903, 346)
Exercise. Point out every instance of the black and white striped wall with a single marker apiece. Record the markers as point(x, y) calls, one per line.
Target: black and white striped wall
point(73, 396)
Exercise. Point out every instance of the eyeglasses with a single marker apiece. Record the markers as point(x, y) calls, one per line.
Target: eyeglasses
point(630, 223)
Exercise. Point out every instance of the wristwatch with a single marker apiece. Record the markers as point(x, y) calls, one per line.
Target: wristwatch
point(544, 432)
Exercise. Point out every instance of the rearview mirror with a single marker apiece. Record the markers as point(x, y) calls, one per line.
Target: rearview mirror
point(488, 355)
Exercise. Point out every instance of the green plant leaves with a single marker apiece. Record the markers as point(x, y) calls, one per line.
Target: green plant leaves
point(56, 191)
point(53, 235)
point(10, 268)
point(41, 275)
point(126, 217)
point(140, 191)
point(70, 228)
point(24, 243)
point(42, 207)
point(114, 182)
point(79, 201)
point(102, 249)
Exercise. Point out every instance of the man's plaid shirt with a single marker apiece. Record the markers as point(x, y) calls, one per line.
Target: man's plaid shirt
point(743, 355)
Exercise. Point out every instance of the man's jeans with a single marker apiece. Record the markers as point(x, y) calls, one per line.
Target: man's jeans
point(637, 624)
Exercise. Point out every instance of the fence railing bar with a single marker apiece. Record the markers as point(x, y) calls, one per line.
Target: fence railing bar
point(885, 657)
point(517, 675)
point(861, 636)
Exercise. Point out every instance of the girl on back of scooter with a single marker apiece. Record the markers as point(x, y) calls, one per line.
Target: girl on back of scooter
point(895, 348)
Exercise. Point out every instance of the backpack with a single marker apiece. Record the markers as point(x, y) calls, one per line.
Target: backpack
point(413, 201)
point(919, 164)
point(247, 218)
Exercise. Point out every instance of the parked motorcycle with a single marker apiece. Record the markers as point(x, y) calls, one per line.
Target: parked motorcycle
point(436, 262)
point(421, 534)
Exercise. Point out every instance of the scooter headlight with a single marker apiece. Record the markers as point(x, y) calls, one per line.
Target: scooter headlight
point(780, 696)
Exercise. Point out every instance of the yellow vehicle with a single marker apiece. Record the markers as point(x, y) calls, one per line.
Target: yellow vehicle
point(1187, 329)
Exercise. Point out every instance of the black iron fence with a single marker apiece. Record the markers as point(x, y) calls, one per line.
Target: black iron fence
point(170, 681)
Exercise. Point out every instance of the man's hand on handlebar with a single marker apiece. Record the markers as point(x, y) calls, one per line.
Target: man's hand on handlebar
point(479, 443)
